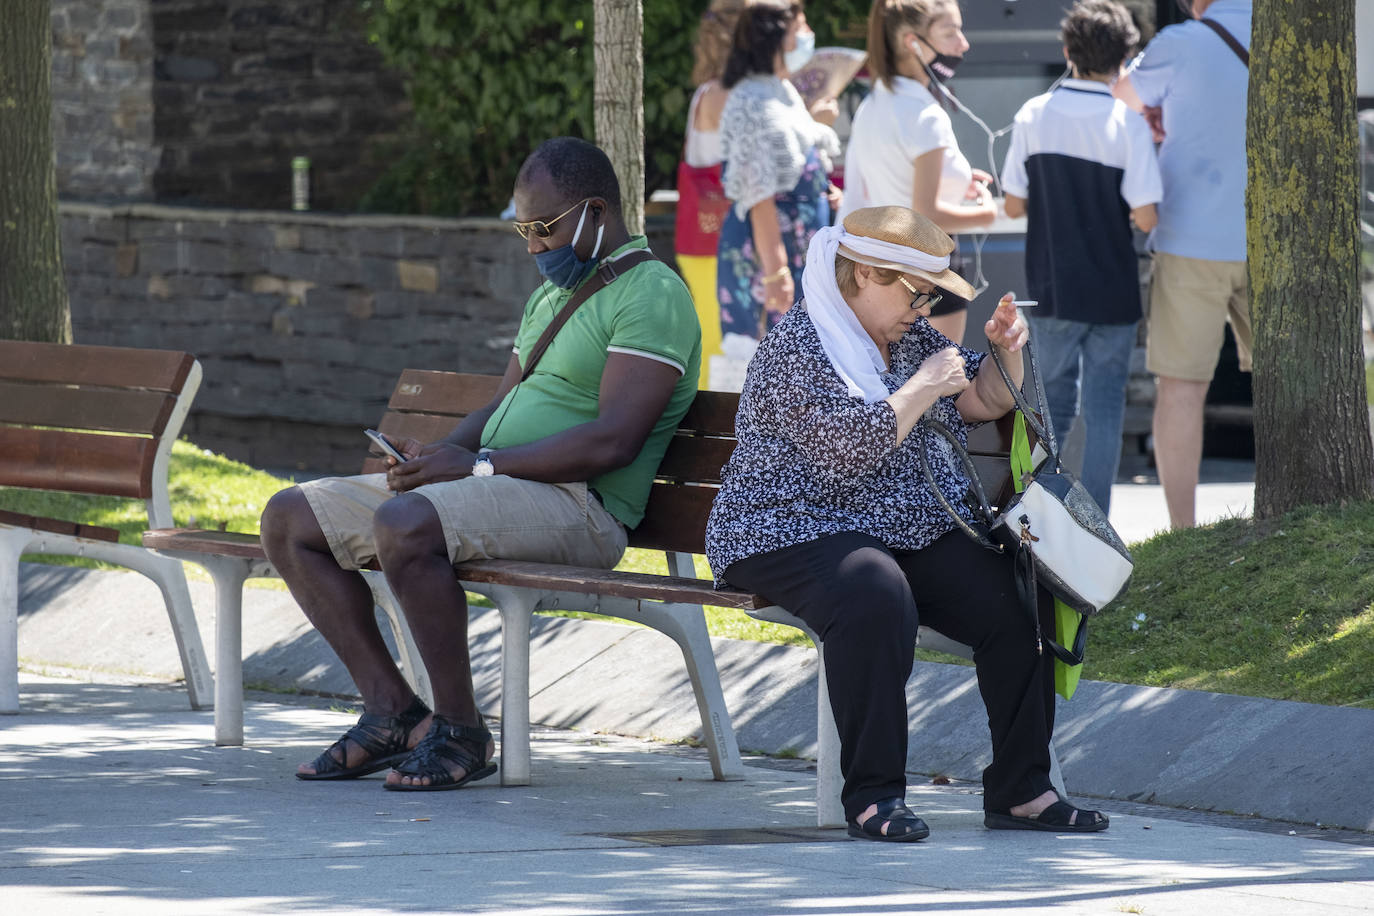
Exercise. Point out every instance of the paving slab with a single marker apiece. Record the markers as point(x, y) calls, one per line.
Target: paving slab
point(113, 800)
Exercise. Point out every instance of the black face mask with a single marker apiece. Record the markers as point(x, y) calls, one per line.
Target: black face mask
point(944, 65)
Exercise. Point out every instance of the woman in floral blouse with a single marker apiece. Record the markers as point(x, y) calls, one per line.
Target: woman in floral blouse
point(824, 510)
point(776, 162)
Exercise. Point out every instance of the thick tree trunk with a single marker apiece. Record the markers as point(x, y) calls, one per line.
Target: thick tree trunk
point(619, 31)
point(33, 291)
point(1311, 424)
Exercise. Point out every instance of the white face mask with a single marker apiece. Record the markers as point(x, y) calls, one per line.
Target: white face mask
point(797, 58)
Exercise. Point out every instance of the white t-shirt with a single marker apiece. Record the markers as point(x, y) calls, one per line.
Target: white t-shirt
point(892, 128)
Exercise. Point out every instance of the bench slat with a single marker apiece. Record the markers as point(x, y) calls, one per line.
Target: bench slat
point(86, 408)
point(605, 582)
point(449, 393)
point(506, 572)
point(712, 413)
point(58, 526)
point(425, 427)
point(111, 367)
point(53, 459)
point(695, 458)
point(675, 518)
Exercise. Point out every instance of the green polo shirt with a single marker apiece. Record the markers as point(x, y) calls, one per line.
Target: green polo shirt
point(646, 312)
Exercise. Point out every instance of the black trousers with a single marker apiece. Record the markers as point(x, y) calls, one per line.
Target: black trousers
point(866, 601)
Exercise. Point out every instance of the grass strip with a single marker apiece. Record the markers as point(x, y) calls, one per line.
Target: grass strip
point(1283, 611)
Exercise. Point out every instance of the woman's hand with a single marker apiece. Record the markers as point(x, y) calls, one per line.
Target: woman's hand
point(1006, 329)
point(779, 295)
point(943, 373)
point(835, 196)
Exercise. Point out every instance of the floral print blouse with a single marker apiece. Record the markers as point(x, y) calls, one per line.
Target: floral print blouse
point(812, 461)
point(765, 136)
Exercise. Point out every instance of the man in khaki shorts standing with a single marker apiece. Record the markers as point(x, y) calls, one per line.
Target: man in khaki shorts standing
point(1190, 83)
point(554, 469)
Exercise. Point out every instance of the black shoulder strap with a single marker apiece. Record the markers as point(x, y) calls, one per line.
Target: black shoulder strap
point(605, 275)
point(1230, 40)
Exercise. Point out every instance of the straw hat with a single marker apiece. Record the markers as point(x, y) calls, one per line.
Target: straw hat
point(906, 227)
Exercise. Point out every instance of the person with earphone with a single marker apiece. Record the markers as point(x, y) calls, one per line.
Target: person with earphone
point(902, 150)
point(555, 468)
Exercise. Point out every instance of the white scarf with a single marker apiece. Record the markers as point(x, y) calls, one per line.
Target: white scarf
point(851, 351)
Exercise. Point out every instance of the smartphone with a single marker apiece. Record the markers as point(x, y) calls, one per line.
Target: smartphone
point(383, 444)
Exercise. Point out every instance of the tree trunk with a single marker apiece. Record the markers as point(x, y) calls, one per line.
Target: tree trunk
point(33, 290)
point(619, 31)
point(1311, 423)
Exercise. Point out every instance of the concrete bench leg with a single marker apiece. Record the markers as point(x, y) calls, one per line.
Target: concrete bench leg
point(12, 543)
point(517, 610)
point(412, 666)
point(229, 574)
point(685, 624)
point(165, 572)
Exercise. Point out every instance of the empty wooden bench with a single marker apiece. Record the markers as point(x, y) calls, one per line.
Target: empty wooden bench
point(102, 420)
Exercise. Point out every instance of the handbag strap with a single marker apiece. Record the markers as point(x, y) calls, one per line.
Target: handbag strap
point(981, 507)
point(605, 275)
point(1045, 430)
point(1230, 40)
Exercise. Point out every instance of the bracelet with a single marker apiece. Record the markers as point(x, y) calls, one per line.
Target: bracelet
point(782, 273)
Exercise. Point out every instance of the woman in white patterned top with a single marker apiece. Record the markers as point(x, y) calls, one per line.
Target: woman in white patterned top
point(824, 510)
point(777, 158)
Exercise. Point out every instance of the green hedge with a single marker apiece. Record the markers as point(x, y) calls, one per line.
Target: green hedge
point(490, 80)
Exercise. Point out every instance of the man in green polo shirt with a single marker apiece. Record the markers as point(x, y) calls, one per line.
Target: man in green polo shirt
point(554, 469)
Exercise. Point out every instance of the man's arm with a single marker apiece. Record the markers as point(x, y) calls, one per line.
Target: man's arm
point(635, 390)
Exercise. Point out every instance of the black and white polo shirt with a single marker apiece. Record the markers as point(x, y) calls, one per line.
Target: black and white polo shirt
point(1083, 161)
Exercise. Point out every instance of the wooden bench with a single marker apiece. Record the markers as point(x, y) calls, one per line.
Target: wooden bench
point(426, 405)
point(102, 420)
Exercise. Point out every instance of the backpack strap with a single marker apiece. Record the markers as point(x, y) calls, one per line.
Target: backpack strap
point(605, 275)
point(1230, 40)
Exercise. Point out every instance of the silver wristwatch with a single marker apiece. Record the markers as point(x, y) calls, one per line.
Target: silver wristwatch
point(482, 466)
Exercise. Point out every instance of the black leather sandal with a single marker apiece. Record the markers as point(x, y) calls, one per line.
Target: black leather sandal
point(894, 823)
point(1057, 818)
point(447, 743)
point(385, 739)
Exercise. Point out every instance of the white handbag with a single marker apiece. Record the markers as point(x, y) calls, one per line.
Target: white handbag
point(1061, 537)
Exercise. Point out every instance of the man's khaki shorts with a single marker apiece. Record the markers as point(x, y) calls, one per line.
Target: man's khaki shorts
point(484, 518)
point(1190, 302)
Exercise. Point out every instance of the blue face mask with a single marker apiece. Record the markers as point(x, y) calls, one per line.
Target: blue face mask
point(797, 58)
point(561, 266)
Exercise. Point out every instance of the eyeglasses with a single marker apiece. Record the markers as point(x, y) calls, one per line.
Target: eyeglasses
point(540, 228)
point(920, 300)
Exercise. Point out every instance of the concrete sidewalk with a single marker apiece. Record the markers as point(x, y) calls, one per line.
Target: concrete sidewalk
point(113, 801)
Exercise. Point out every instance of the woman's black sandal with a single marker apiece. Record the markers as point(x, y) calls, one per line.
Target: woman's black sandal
point(1057, 818)
point(385, 739)
point(901, 823)
point(447, 743)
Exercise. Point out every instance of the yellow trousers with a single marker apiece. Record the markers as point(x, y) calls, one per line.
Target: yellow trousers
point(700, 273)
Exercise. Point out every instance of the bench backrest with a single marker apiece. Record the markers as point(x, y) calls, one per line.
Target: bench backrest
point(428, 404)
point(85, 419)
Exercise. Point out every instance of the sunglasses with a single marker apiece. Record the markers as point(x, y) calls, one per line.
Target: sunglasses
point(539, 227)
point(920, 300)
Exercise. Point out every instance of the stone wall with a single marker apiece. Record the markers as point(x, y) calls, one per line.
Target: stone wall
point(102, 64)
point(302, 322)
point(207, 101)
point(242, 86)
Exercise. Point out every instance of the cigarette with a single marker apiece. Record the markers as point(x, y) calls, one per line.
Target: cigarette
point(1025, 303)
